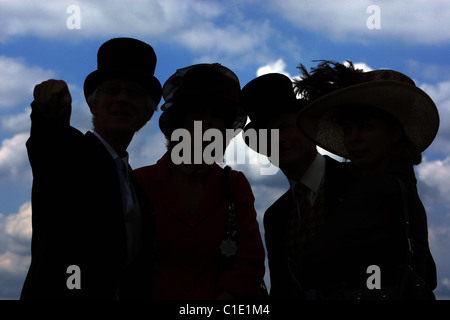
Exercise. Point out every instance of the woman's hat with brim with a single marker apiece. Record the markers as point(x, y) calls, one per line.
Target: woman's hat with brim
point(266, 97)
point(202, 85)
point(125, 58)
point(386, 90)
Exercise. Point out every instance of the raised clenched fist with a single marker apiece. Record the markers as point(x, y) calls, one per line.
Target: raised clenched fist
point(51, 96)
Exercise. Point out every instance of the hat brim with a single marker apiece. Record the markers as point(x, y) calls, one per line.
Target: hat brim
point(150, 83)
point(414, 109)
point(166, 121)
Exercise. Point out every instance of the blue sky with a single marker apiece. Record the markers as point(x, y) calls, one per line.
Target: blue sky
point(38, 42)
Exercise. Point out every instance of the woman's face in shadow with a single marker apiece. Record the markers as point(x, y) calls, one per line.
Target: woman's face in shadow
point(208, 118)
point(197, 122)
point(369, 141)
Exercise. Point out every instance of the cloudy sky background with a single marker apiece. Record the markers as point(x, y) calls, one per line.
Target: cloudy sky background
point(41, 40)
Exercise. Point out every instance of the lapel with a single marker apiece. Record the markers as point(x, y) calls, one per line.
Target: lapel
point(105, 184)
point(98, 152)
point(277, 214)
point(287, 200)
point(106, 219)
point(213, 193)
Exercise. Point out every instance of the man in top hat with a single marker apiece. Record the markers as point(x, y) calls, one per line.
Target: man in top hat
point(91, 222)
point(317, 182)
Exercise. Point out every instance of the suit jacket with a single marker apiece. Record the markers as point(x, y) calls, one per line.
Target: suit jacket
point(187, 258)
point(77, 217)
point(369, 229)
point(284, 280)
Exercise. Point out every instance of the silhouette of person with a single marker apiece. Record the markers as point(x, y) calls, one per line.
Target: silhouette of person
point(88, 210)
point(381, 122)
point(317, 182)
point(188, 193)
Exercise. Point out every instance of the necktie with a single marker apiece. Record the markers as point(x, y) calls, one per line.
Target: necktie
point(298, 216)
point(131, 210)
point(311, 216)
point(303, 204)
point(124, 185)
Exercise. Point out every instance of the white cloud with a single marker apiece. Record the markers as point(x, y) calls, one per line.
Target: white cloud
point(446, 283)
point(240, 155)
point(440, 93)
point(414, 21)
point(439, 240)
point(232, 39)
point(18, 226)
point(13, 159)
point(145, 148)
point(19, 122)
point(278, 66)
point(17, 81)
point(362, 65)
point(429, 71)
point(200, 26)
point(14, 264)
point(15, 236)
point(409, 21)
point(436, 174)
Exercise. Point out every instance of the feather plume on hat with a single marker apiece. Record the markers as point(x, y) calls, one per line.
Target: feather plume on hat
point(331, 86)
point(328, 76)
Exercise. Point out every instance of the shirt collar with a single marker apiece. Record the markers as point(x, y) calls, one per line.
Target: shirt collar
point(312, 178)
point(111, 150)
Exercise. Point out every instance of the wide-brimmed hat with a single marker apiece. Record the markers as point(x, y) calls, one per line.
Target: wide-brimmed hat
point(386, 90)
point(200, 85)
point(266, 97)
point(129, 58)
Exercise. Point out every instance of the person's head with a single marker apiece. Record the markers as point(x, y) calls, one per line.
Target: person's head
point(122, 93)
point(204, 96)
point(295, 151)
point(373, 119)
point(270, 103)
point(120, 105)
point(374, 138)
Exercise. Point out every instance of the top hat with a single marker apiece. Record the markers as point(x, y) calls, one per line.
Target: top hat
point(129, 58)
point(266, 97)
point(197, 86)
point(386, 90)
